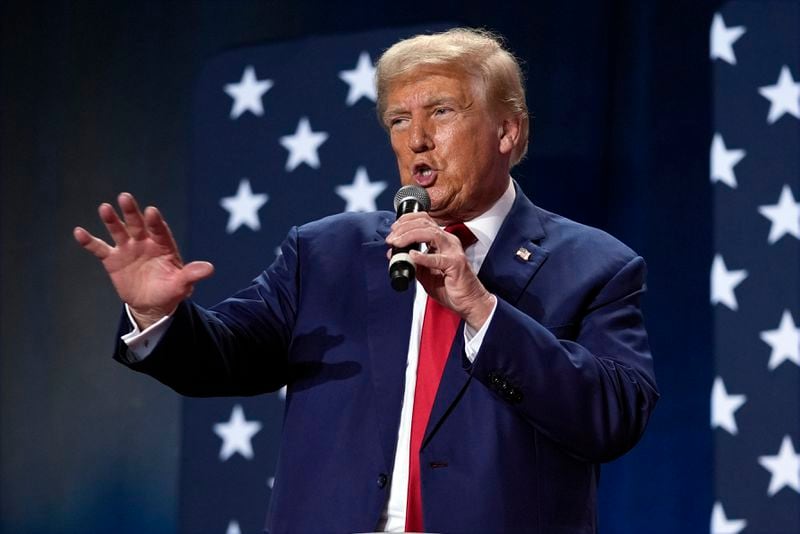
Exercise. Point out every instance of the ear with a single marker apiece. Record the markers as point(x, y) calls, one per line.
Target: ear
point(508, 134)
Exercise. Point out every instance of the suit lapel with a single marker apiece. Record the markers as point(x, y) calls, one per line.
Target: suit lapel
point(513, 259)
point(454, 380)
point(515, 255)
point(388, 328)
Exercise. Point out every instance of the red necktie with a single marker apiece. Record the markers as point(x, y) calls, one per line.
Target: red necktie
point(438, 330)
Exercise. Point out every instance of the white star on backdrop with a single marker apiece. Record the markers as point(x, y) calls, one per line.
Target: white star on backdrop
point(247, 93)
point(723, 283)
point(361, 80)
point(784, 96)
point(722, 39)
point(724, 406)
point(303, 145)
point(723, 161)
point(785, 341)
point(720, 524)
point(233, 528)
point(784, 468)
point(361, 194)
point(236, 435)
point(243, 207)
point(784, 216)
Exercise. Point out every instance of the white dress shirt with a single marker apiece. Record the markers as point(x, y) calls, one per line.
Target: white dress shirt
point(485, 227)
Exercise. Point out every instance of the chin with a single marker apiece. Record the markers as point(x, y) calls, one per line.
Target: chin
point(442, 218)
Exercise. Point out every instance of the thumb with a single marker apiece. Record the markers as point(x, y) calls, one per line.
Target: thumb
point(196, 271)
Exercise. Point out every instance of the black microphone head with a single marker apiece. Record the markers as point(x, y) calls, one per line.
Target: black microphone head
point(413, 192)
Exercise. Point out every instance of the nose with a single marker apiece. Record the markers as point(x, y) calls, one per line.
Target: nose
point(419, 138)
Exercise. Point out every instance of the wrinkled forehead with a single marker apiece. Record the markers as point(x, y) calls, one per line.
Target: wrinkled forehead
point(430, 77)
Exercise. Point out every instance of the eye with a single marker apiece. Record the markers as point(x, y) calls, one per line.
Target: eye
point(394, 122)
point(442, 110)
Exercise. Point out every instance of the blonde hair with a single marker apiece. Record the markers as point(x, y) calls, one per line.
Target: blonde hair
point(477, 52)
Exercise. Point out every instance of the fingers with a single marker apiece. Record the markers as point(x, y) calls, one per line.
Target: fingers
point(110, 219)
point(159, 230)
point(420, 222)
point(455, 286)
point(137, 225)
point(148, 227)
point(423, 231)
point(134, 220)
point(95, 245)
point(432, 262)
point(414, 220)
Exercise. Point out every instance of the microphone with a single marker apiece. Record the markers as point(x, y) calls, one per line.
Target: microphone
point(409, 199)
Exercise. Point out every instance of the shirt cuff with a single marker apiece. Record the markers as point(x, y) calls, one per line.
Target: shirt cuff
point(142, 342)
point(474, 339)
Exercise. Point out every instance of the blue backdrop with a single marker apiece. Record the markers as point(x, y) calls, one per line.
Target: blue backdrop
point(625, 98)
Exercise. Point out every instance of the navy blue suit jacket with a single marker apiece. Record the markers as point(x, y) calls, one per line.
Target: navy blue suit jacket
point(563, 380)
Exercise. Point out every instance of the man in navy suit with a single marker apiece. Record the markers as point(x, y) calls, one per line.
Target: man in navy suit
point(543, 373)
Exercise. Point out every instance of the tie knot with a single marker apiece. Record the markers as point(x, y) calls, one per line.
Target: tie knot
point(463, 234)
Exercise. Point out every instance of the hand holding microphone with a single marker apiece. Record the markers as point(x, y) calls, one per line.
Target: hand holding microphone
point(409, 199)
point(443, 271)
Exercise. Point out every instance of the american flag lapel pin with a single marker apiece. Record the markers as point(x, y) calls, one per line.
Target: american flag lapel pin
point(523, 253)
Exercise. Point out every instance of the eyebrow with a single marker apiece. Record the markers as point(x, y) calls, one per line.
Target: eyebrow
point(438, 101)
point(432, 103)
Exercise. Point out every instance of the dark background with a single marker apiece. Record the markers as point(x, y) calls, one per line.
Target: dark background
point(95, 98)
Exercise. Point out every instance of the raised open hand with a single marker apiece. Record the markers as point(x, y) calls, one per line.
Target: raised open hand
point(144, 265)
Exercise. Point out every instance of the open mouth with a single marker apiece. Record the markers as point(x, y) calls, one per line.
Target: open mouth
point(423, 174)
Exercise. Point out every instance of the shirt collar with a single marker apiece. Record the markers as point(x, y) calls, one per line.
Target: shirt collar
point(486, 225)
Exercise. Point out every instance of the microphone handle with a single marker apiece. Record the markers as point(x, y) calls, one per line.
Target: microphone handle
point(401, 267)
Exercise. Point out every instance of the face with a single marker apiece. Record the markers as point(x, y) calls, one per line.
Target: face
point(448, 140)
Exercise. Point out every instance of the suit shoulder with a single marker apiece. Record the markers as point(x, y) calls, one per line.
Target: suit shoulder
point(568, 236)
point(357, 226)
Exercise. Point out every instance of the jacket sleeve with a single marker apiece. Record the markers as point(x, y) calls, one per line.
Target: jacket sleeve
point(237, 347)
point(592, 393)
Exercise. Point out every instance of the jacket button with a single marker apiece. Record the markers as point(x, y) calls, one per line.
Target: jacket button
point(515, 396)
point(382, 479)
point(494, 380)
